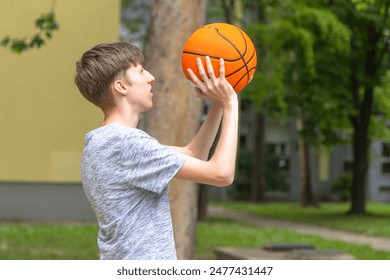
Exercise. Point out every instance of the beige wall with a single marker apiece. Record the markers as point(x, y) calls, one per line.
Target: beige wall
point(43, 118)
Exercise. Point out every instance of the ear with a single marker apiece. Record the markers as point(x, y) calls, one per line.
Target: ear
point(120, 87)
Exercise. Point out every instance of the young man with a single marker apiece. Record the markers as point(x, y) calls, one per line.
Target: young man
point(125, 172)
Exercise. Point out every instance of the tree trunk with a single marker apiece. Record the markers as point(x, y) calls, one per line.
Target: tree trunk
point(233, 14)
point(258, 177)
point(176, 114)
point(307, 196)
point(359, 171)
point(202, 203)
point(361, 145)
point(361, 122)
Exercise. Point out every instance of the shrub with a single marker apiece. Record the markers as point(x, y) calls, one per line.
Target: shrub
point(343, 186)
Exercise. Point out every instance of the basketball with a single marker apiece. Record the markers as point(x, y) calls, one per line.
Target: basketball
point(222, 40)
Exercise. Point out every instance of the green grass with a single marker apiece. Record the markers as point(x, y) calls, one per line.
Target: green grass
point(78, 241)
point(224, 232)
point(48, 242)
point(330, 215)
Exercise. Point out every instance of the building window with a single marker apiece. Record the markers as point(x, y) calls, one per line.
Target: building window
point(277, 165)
point(384, 189)
point(386, 168)
point(386, 150)
point(280, 152)
point(284, 163)
point(386, 158)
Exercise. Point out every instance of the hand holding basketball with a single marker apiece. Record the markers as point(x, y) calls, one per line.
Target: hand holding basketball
point(222, 40)
point(210, 87)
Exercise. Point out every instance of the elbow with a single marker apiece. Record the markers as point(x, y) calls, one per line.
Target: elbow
point(225, 179)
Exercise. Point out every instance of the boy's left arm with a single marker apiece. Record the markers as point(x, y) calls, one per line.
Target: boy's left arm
point(202, 142)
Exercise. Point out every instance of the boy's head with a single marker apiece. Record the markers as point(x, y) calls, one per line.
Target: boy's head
point(100, 66)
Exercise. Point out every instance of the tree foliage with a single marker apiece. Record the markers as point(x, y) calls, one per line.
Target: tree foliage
point(300, 48)
point(368, 59)
point(327, 62)
point(46, 24)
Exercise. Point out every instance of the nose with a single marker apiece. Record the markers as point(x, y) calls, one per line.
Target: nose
point(151, 78)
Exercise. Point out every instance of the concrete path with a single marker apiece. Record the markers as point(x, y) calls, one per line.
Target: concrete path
point(378, 243)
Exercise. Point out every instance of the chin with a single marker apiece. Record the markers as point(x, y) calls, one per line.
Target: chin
point(149, 108)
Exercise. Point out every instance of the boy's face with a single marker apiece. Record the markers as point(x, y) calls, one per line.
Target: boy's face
point(139, 85)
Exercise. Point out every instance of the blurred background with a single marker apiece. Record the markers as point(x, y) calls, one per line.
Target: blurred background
point(314, 125)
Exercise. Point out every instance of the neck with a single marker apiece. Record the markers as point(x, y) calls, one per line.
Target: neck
point(124, 118)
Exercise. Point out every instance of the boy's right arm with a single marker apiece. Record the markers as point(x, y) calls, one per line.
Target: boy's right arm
point(220, 169)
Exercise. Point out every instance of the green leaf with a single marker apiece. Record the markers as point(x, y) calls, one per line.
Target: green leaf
point(46, 25)
point(19, 45)
point(37, 41)
point(5, 41)
point(47, 22)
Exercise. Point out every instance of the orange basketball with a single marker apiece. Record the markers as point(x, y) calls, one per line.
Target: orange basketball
point(224, 40)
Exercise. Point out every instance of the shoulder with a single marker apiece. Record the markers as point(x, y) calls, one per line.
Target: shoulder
point(116, 133)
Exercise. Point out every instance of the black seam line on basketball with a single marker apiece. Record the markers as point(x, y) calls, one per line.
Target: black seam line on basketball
point(241, 56)
point(246, 48)
point(237, 50)
point(214, 57)
point(245, 65)
point(242, 77)
point(230, 60)
point(230, 42)
point(253, 68)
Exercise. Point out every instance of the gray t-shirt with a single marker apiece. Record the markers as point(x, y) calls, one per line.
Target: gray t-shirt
point(125, 174)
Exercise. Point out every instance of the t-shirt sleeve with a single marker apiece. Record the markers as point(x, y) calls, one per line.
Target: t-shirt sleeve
point(147, 163)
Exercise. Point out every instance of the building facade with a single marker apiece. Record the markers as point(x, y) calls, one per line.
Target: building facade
point(43, 118)
point(326, 165)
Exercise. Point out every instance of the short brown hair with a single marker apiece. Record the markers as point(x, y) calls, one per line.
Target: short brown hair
point(100, 65)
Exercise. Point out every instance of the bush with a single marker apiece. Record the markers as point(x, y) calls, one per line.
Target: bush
point(343, 186)
point(275, 175)
point(243, 181)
